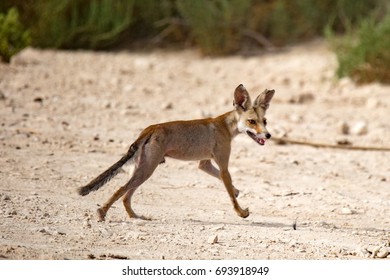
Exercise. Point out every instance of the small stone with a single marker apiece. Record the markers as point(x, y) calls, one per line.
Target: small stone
point(299, 250)
point(213, 239)
point(363, 253)
point(142, 64)
point(343, 128)
point(44, 231)
point(347, 211)
point(221, 227)
point(302, 98)
point(360, 128)
point(373, 250)
point(6, 198)
point(87, 224)
point(292, 243)
point(2, 95)
point(383, 252)
point(38, 100)
point(167, 106)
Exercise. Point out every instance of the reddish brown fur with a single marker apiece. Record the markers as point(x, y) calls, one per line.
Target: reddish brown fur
point(203, 140)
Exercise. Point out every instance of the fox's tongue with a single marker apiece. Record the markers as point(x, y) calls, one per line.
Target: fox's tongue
point(261, 141)
point(258, 140)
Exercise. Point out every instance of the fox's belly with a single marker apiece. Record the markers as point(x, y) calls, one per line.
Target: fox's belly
point(190, 153)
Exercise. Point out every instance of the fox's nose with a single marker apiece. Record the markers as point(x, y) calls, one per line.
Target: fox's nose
point(268, 136)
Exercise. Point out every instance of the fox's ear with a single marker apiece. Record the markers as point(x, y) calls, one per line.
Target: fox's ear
point(264, 99)
point(241, 100)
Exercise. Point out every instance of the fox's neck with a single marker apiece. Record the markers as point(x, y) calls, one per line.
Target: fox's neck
point(230, 120)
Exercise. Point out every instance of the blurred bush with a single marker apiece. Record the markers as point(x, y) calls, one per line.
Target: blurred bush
point(13, 36)
point(92, 24)
point(216, 27)
point(364, 53)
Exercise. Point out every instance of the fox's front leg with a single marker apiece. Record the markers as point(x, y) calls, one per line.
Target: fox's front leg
point(209, 168)
point(227, 180)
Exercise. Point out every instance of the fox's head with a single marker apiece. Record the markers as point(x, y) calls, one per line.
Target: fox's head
point(251, 117)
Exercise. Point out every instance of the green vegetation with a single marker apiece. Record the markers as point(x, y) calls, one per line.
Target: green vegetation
point(91, 24)
point(216, 27)
point(13, 36)
point(364, 54)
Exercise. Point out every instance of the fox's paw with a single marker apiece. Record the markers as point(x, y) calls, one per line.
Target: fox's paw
point(101, 215)
point(244, 213)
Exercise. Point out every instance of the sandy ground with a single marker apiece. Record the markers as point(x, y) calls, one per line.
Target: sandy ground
point(66, 116)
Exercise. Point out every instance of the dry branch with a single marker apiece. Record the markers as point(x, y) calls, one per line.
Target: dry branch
point(285, 140)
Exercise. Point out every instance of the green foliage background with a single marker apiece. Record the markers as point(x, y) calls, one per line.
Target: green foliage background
point(216, 27)
point(13, 36)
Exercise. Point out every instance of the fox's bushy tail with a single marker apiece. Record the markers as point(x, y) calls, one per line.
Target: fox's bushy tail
point(110, 173)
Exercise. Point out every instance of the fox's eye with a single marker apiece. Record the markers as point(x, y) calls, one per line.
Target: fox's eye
point(265, 121)
point(251, 121)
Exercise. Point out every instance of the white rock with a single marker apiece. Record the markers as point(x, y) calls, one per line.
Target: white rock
point(347, 211)
point(363, 253)
point(220, 227)
point(383, 252)
point(374, 250)
point(360, 128)
point(142, 64)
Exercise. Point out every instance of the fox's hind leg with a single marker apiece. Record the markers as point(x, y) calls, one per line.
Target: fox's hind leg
point(151, 156)
point(102, 211)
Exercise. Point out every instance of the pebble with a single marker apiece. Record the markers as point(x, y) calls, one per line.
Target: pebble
point(360, 128)
point(363, 253)
point(221, 227)
point(167, 106)
point(44, 231)
point(2, 95)
point(373, 251)
point(141, 64)
point(302, 98)
point(293, 243)
point(343, 128)
point(383, 252)
point(87, 224)
point(213, 239)
point(347, 211)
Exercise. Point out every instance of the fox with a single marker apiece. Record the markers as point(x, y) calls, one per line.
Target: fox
point(204, 140)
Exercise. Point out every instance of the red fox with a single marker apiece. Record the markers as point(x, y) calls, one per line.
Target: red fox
point(202, 140)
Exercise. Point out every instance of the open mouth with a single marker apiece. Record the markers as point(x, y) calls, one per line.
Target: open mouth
point(258, 140)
